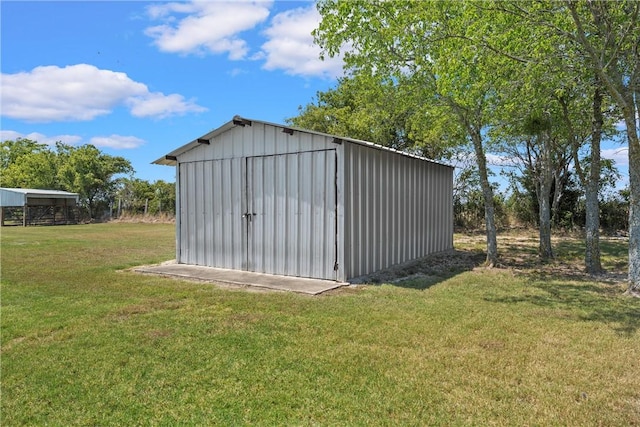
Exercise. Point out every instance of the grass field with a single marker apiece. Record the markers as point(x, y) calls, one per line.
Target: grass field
point(84, 343)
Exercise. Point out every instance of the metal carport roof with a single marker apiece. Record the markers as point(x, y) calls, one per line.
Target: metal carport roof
point(11, 197)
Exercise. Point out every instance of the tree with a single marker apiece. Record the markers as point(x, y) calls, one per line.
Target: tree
point(419, 44)
point(606, 38)
point(378, 110)
point(90, 173)
point(165, 197)
point(361, 107)
point(28, 164)
point(610, 35)
point(134, 194)
point(137, 196)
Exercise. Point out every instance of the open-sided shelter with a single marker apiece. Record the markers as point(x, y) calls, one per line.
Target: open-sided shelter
point(28, 206)
point(268, 198)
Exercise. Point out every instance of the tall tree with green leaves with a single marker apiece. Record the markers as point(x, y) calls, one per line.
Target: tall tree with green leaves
point(609, 33)
point(420, 44)
point(606, 38)
point(362, 107)
point(28, 164)
point(90, 173)
point(381, 111)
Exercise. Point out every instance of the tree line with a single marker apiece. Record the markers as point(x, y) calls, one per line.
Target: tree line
point(538, 83)
point(105, 184)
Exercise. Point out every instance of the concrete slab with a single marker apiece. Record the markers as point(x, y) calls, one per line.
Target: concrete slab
point(242, 278)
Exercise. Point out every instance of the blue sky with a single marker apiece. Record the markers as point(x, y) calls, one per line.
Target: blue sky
point(138, 79)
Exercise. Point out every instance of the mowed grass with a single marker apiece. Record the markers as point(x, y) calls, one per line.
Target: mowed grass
point(84, 343)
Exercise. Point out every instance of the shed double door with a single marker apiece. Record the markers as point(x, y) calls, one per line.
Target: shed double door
point(290, 214)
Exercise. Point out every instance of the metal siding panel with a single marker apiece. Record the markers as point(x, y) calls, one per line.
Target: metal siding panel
point(280, 220)
point(329, 215)
point(191, 214)
point(210, 222)
point(292, 197)
point(341, 243)
point(289, 193)
point(389, 210)
point(200, 214)
point(268, 136)
point(208, 213)
point(237, 204)
point(433, 211)
point(365, 223)
point(318, 205)
point(420, 214)
point(178, 215)
point(360, 224)
point(357, 209)
point(304, 209)
point(345, 237)
point(352, 205)
point(225, 239)
point(411, 229)
point(393, 211)
point(217, 183)
point(375, 212)
point(428, 207)
point(270, 235)
point(438, 214)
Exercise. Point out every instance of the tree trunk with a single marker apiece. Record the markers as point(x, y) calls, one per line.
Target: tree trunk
point(545, 250)
point(487, 193)
point(634, 184)
point(592, 261)
point(634, 210)
point(623, 94)
point(558, 179)
point(544, 192)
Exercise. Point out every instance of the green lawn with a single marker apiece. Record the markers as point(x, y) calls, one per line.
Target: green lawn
point(86, 344)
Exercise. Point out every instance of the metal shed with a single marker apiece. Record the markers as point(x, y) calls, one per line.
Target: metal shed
point(28, 206)
point(268, 198)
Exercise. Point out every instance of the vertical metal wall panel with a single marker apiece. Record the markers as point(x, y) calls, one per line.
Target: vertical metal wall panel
point(397, 208)
point(210, 220)
point(292, 204)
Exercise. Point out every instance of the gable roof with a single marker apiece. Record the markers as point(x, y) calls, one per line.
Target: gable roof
point(170, 158)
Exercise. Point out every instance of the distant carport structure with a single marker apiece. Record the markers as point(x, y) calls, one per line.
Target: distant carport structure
point(27, 206)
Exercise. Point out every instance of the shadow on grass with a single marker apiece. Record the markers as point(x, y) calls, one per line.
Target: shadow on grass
point(427, 271)
point(588, 301)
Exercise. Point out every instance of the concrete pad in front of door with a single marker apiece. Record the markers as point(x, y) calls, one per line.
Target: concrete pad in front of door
point(242, 278)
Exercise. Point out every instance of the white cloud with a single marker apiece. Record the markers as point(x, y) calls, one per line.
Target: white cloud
point(114, 141)
point(501, 160)
point(208, 27)
point(82, 92)
point(619, 155)
point(12, 135)
point(117, 141)
point(160, 106)
point(290, 45)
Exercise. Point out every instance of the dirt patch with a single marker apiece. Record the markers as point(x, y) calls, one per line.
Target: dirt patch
point(518, 253)
point(435, 267)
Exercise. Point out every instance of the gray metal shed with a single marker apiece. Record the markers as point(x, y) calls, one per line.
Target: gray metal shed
point(30, 206)
point(268, 198)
